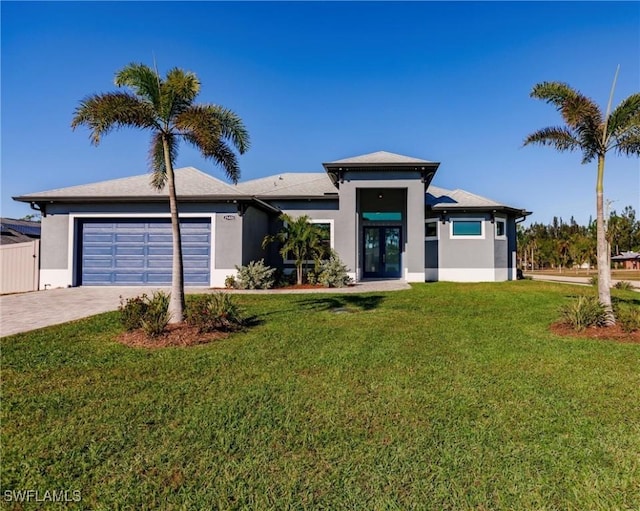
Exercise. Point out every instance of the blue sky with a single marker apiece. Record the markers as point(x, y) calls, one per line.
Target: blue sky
point(316, 82)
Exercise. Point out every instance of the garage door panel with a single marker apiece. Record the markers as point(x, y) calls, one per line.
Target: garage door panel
point(98, 250)
point(129, 250)
point(129, 263)
point(130, 238)
point(98, 237)
point(159, 250)
point(195, 251)
point(159, 278)
point(160, 238)
point(140, 252)
point(160, 262)
point(98, 262)
point(133, 278)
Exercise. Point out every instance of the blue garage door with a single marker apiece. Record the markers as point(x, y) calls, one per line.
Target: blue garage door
point(139, 252)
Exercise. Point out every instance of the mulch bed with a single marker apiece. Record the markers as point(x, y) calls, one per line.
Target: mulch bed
point(605, 333)
point(179, 334)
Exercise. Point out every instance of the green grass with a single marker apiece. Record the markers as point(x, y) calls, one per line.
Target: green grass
point(573, 272)
point(444, 397)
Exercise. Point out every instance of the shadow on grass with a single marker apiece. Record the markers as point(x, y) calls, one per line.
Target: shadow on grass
point(252, 322)
point(342, 303)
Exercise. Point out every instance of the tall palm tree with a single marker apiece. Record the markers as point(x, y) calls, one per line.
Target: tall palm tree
point(299, 240)
point(586, 129)
point(165, 107)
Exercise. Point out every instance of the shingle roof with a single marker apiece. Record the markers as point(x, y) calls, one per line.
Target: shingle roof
point(441, 199)
point(290, 184)
point(626, 256)
point(190, 182)
point(18, 231)
point(377, 158)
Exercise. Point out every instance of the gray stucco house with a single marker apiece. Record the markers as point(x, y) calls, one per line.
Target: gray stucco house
point(382, 215)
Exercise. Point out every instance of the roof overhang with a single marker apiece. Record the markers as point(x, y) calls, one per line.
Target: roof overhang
point(449, 208)
point(336, 171)
point(241, 200)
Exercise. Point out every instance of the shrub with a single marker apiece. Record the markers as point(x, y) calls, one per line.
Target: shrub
point(628, 317)
point(583, 312)
point(218, 311)
point(230, 282)
point(157, 316)
point(333, 273)
point(150, 314)
point(132, 311)
point(593, 280)
point(256, 275)
point(623, 284)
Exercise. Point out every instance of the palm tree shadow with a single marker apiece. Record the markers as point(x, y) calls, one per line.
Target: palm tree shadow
point(342, 303)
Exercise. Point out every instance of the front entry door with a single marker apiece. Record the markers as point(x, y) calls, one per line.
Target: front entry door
point(382, 252)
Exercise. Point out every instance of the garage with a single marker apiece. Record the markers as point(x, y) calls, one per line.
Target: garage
point(135, 252)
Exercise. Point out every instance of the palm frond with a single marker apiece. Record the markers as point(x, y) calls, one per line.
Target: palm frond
point(575, 108)
point(215, 149)
point(559, 137)
point(143, 80)
point(102, 113)
point(628, 144)
point(180, 88)
point(217, 121)
point(157, 161)
point(625, 117)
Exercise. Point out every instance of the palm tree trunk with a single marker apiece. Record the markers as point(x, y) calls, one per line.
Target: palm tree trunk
point(604, 268)
point(176, 302)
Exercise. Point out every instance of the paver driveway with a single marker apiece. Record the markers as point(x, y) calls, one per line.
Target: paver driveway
point(29, 311)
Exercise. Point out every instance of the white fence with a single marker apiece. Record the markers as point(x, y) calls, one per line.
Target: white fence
point(19, 267)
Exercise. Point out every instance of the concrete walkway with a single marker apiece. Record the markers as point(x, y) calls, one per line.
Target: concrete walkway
point(30, 311)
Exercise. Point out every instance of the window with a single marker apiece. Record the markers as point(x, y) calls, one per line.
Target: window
point(467, 228)
point(501, 228)
point(326, 227)
point(431, 230)
point(382, 216)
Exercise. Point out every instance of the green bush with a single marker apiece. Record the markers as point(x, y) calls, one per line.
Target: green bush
point(214, 312)
point(150, 314)
point(623, 284)
point(593, 280)
point(628, 316)
point(230, 282)
point(157, 316)
point(255, 275)
point(132, 311)
point(583, 312)
point(333, 273)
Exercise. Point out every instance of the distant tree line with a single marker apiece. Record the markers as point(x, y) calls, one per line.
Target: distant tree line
point(561, 245)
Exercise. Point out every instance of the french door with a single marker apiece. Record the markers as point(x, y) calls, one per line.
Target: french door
point(382, 252)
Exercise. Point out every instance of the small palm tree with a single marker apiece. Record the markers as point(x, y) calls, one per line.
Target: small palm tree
point(586, 129)
point(299, 240)
point(166, 108)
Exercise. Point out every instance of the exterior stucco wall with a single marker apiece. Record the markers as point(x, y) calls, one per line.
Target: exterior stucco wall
point(61, 246)
point(255, 226)
point(462, 259)
point(227, 243)
point(348, 233)
point(54, 246)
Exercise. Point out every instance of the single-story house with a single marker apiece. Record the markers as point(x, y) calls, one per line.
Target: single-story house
point(14, 231)
point(383, 217)
point(629, 260)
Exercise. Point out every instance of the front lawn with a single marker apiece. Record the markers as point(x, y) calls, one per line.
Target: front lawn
point(444, 397)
